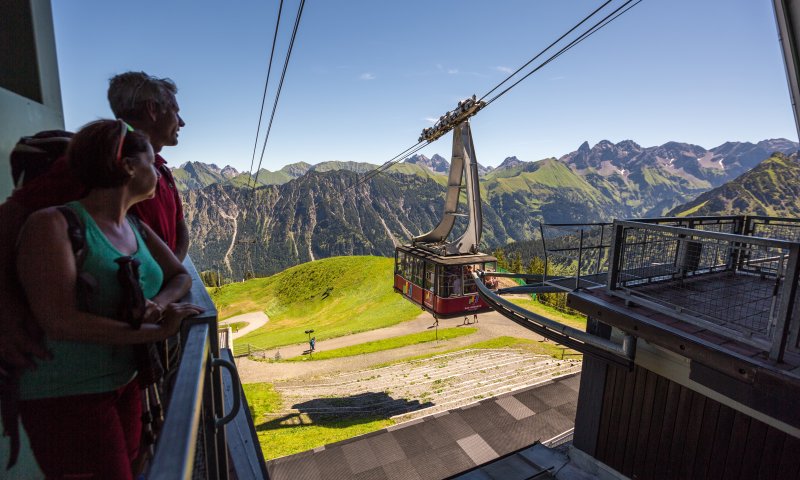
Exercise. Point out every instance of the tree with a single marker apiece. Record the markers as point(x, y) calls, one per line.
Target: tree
point(501, 258)
point(516, 263)
point(536, 266)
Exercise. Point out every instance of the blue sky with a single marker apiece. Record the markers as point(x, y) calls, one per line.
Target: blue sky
point(366, 76)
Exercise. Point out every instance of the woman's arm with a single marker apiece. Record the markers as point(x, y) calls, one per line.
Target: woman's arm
point(47, 271)
point(177, 281)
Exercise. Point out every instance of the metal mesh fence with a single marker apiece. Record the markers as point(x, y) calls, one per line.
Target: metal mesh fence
point(731, 282)
point(577, 250)
point(778, 228)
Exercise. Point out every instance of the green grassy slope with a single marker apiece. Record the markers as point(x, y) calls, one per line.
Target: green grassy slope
point(771, 188)
point(359, 298)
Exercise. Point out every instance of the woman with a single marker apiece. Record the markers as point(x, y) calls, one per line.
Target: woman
point(82, 409)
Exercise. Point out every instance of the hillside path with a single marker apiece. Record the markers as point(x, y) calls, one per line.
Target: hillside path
point(490, 325)
point(255, 320)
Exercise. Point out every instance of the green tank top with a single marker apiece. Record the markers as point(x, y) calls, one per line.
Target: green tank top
point(79, 368)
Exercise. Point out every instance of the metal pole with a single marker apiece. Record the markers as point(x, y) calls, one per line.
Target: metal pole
point(580, 259)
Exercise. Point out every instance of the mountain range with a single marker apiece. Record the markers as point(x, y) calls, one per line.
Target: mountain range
point(303, 212)
point(772, 189)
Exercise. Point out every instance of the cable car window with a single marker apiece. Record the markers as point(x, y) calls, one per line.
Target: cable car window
point(429, 276)
point(442, 282)
point(469, 282)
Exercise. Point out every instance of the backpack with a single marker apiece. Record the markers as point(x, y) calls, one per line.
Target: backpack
point(149, 357)
point(34, 155)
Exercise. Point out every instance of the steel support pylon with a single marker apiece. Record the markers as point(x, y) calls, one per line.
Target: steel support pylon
point(463, 175)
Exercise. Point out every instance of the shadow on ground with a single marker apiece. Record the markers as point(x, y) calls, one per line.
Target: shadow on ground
point(343, 411)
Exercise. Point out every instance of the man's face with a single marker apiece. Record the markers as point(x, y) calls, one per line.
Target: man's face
point(166, 126)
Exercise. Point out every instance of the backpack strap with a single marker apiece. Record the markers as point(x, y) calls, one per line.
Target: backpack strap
point(85, 284)
point(76, 232)
point(137, 224)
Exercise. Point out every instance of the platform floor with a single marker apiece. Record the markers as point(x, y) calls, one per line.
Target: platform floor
point(444, 444)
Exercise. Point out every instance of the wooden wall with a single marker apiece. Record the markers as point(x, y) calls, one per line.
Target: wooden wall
point(646, 426)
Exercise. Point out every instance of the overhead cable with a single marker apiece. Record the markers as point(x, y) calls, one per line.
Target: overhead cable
point(280, 87)
point(585, 19)
point(266, 84)
point(586, 34)
point(597, 26)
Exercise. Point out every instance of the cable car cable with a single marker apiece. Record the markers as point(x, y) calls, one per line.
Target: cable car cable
point(547, 48)
point(597, 26)
point(593, 29)
point(386, 165)
point(278, 93)
point(408, 152)
point(266, 84)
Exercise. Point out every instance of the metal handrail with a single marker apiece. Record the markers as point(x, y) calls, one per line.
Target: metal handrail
point(729, 237)
point(174, 457)
point(577, 339)
point(193, 440)
point(781, 327)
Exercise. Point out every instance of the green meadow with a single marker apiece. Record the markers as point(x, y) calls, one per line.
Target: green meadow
point(334, 297)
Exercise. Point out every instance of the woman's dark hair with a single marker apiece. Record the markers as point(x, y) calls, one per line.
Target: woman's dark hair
point(94, 153)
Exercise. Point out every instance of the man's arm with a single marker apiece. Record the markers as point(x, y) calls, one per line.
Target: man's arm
point(21, 339)
point(181, 239)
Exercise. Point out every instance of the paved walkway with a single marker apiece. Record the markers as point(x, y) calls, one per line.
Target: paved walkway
point(490, 325)
point(254, 320)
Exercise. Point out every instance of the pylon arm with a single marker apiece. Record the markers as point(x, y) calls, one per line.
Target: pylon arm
point(463, 175)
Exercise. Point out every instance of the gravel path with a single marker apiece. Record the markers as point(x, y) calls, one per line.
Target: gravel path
point(255, 320)
point(490, 325)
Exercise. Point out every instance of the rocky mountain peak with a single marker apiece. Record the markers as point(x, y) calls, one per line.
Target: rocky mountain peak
point(229, 172)
point(437, 163)
point(510, 162)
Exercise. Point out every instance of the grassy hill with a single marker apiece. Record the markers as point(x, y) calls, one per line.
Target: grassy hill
point(772, 188)
point(334, 297)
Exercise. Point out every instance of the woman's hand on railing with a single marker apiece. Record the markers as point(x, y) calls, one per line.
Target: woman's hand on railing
point(152, 312)
point(174, 313)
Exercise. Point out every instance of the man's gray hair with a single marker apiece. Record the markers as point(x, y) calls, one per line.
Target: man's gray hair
point(129, 92)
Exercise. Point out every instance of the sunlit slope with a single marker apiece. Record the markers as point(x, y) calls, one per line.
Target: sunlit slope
point(334, 297)
point(772, 188)
point(546, 190)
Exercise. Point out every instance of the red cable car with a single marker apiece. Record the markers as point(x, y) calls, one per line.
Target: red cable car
point(441, 285)
point(432, 272)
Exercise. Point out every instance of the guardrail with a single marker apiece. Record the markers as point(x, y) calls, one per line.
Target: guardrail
point(584, 245)
point(193, 442)
point(718, 273)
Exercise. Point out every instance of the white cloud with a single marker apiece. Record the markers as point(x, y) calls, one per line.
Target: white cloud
point(452, 71)
point(504, 69)
point(431, 119)
point(367, 76)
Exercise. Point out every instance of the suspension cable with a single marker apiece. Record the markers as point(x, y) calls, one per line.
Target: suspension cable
point(586, 18)
point(597, 26)
point(266, 83)
point(586, 34)
point(278, 93)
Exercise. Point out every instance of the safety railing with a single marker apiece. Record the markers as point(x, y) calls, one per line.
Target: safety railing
point(575, 254)
point(706, 272)
point(202, 401)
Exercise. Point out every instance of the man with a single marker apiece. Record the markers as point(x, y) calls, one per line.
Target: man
point(146, 103)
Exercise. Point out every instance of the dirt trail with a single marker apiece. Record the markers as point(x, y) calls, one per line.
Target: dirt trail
point(254, 320)
point(490, 325)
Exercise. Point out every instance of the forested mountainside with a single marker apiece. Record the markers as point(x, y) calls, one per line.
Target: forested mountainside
point(236, 231)
point(772, 188)
point(307, 212)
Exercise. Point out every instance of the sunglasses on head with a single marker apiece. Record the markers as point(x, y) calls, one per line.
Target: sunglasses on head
point(124, 129)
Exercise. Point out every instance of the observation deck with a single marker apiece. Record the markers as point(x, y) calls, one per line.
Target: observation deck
point(712, 304)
